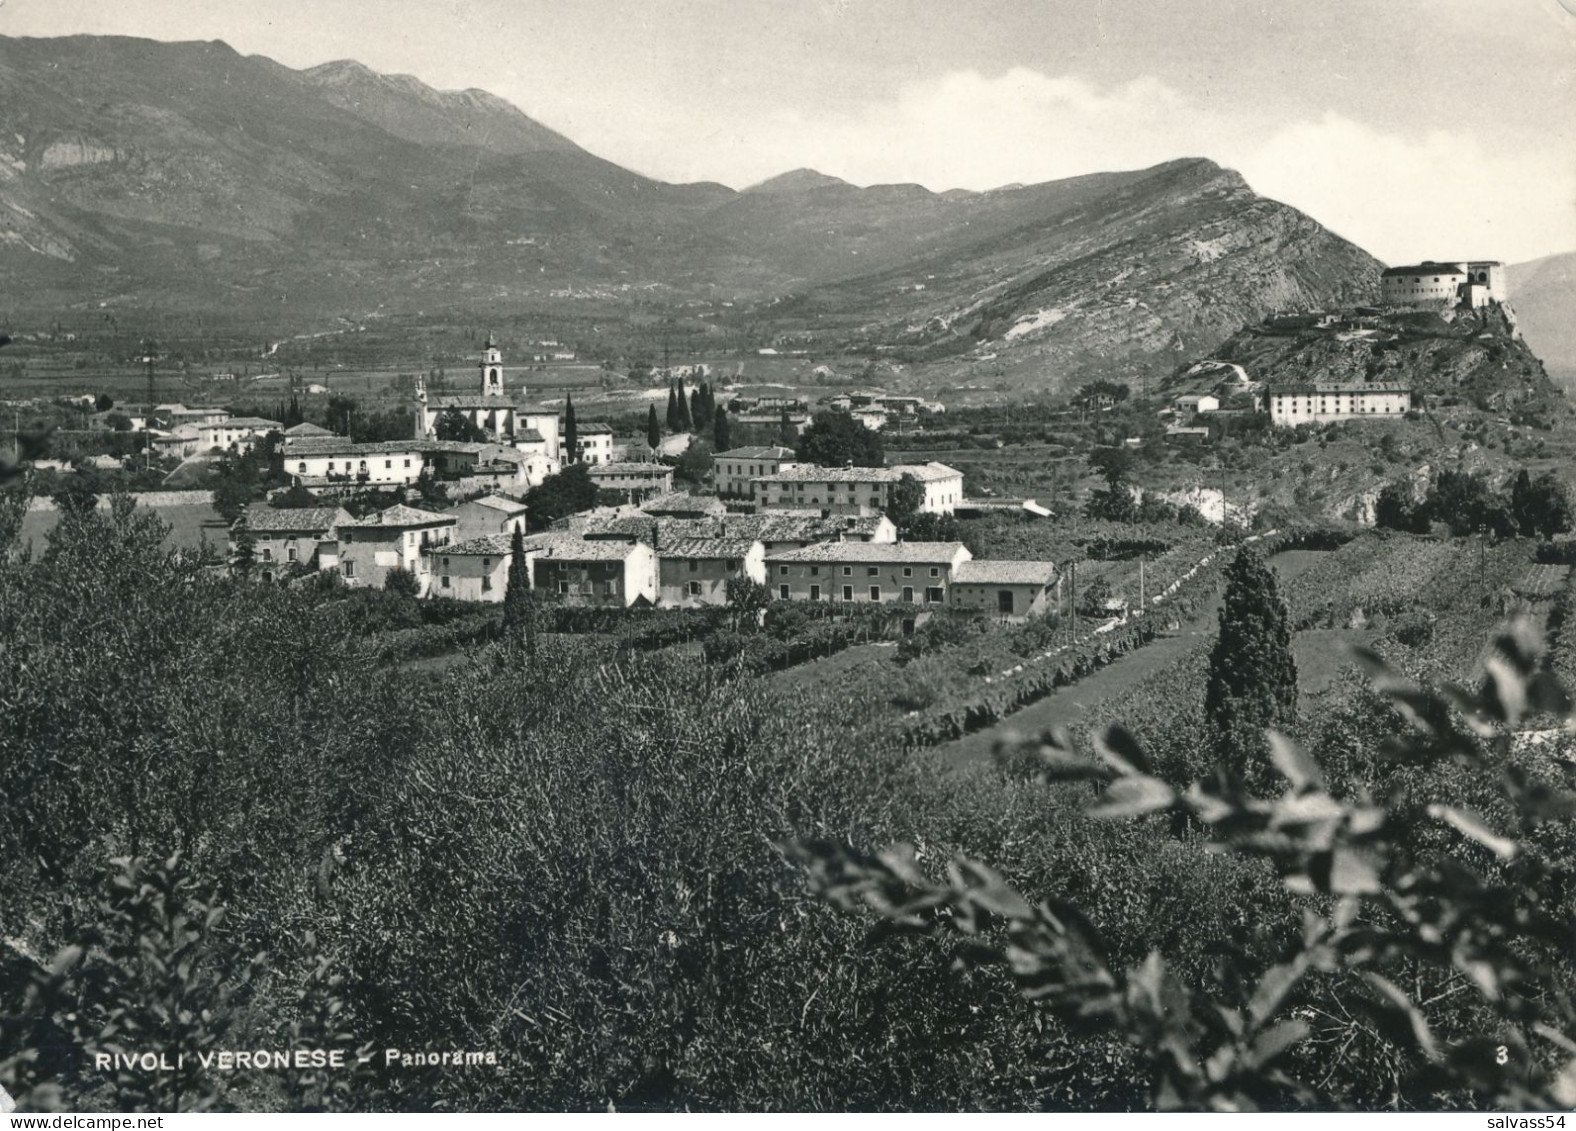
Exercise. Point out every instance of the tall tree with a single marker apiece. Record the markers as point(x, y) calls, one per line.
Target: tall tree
point(653, 429)
point(245, 551)
point(1551, 506)
point(697, 406)
point(519, 612)
point(908, 495)
point(673, 409)
point(719, 430)
point(835, 439)
point(1523, 504)
point(686, 421)
point(571, 432)
point(787, 435)
point(1252, 681)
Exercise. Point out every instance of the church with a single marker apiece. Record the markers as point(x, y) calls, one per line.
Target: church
point(505, 419)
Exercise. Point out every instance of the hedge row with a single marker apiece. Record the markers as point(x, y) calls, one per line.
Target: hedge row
point(1033, 679)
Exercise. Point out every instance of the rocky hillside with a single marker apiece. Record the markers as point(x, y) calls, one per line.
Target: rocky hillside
point(143, 175)
point(1477, 357)
point(1116, 275)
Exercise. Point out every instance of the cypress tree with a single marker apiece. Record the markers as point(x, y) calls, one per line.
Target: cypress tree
point(519, 615)
point(673, 409)
point(698, 419)
point(653, 430)
point(571, 432)
point(686, 422)
point(1524, 504)
point(719, 424)
point(1252, 674)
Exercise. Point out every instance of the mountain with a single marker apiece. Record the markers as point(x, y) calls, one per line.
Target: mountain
point(797, 180)
point(1544, 295)
point(1115, 274)
point(141, 175)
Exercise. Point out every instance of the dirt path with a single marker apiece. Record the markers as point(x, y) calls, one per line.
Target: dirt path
point(1067, 706)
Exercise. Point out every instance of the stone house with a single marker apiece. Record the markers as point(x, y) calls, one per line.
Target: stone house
point(884, 572)
point(1009, 590)
point(285, 540)
point(695, 571)
point(400, 537)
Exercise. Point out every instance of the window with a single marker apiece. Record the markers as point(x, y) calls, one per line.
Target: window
point(731, 564)
point(908, 594)
point(815, 592)
point(407, 463)
point(290, 553)
point(815, 571)
point(848, 592)
point(363, 468)
point(875, 592)
point(935, 571)
point(782, 591)
point(563, 588)
point(331, 465)
point(694, 589)
point(782, 571)
point(609, 588)
point(301, 467)
point(908, 571)
point(933, 595)
point(872, 571)
point(445, 580)
point(268, 553)
point(350, 569)
point(848, 571)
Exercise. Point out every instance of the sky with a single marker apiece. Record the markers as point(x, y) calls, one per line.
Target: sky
point(1417, 128)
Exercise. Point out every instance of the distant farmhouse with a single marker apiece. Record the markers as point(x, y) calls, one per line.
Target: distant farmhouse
point(1472, 284)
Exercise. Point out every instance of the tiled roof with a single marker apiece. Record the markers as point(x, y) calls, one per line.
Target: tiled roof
point(529, 436)
point(499, 503)
point(401, 515)
point(566, 547)
point(756, 453)
point(930, 553)
point(307, 428)
point(260, 517)
point(709, 549)
point(487, 546)
point(924, 472)
point(248, 422)
point(652, 470)
point(673, 501)
point(809, 473)
point(341, 445)
point(596, 426)
point(989, 572)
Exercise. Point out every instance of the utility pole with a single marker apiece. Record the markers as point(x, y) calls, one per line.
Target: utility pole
point(1141, 605)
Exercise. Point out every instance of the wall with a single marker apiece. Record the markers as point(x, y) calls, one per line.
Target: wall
point(1027, 600)
point(1287, 410)
point(830, 577)
point(1436, 286)
point(470, 577)
point(381, 467)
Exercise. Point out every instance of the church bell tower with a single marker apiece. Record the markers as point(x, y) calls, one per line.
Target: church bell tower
point(492, 369)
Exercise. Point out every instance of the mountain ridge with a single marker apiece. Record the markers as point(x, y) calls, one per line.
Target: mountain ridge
point(138, 174)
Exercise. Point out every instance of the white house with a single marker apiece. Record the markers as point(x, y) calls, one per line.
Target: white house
point(1291, 405)
point(884, 572)
point(397, 538)
point(1196, 403)
point(476, 569)
point(586, 571)
point(594, 443)
point(491, 514)
point(695, 571)
point(335, 460)
point(857, 490)
point(737, 468)
point(1010, 590)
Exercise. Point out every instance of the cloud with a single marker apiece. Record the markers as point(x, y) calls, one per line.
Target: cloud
point(1441, 196)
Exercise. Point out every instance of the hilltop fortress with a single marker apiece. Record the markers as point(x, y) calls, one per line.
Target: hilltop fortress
point(1474, 284)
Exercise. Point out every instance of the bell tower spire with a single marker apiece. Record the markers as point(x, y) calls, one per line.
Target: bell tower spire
point(492, 369)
